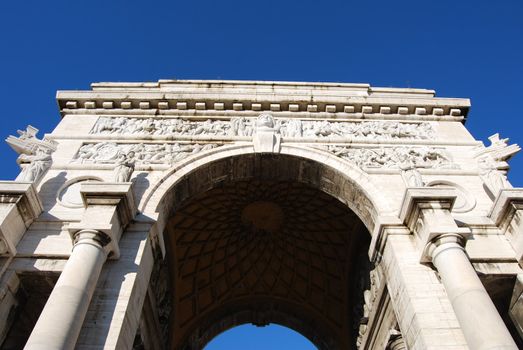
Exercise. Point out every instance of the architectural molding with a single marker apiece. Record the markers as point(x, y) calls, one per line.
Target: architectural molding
point(19, 207)
point(507, 214)
point(426, 212)
point(262, 97)
point(175, 210)
point(109, 208)
point(394, 157)
point(144, 153)
point(245, 126)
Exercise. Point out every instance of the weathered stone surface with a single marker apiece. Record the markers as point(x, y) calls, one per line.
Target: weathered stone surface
point(338, 210)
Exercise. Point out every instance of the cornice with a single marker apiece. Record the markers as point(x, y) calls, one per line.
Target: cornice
point(315, 99)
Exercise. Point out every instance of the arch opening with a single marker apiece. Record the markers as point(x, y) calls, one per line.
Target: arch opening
point(309, 166)
point(259, 239)
point(252, 337)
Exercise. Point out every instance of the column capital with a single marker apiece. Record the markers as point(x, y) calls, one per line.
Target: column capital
point(109, 207)
point(20, 205)
point(444, 241)
point(417, 198)
point(426, 211)
point(92, 237)
point(117, 194)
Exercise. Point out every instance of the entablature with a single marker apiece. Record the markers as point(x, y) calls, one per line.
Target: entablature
point(316, 100)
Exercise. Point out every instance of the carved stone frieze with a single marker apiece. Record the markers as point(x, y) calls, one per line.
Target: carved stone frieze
point(143, 153)
point(401, 157)
point(241, 126)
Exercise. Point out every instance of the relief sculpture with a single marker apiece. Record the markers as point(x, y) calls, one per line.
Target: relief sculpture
point(492, 163)
point(241, 126)
point(140, 153)
point(34, 154)
point(404, 158)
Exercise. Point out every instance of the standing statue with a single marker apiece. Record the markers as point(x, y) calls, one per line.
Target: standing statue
point(410, 172)
point(36, 165)
point(492, 174)
point(124, 167)
point(34, 154)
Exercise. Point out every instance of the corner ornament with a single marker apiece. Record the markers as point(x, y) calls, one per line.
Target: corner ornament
point(492, 163)
point(34, 154)
point(266, 137)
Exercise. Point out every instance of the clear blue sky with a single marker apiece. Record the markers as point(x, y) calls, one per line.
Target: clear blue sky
point(459, 48)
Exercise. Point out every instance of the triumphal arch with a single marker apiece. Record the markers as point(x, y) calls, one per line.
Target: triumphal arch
point(158, 215)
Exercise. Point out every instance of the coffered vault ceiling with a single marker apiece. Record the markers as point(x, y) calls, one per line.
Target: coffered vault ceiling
point(265, 251)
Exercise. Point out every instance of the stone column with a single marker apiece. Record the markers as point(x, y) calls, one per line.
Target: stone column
point(427, 212)
point(60, 322)
point(109, 209)
point(479, 319)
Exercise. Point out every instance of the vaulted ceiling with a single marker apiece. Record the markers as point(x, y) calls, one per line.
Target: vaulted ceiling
point(264, 251)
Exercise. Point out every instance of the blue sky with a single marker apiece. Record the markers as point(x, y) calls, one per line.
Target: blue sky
point(461, 49)
point(248, 337)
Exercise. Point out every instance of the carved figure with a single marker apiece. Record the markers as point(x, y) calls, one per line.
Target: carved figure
point(369, 297)
point(492, 174)
point(34, 154)
point(124, 167)
point(394, 157)
point(411, 175)
point(499, 149)
point(267, 137)
point(143, 153)
point(241, 126)
point(492, 162)
point(37, 165)
point(265, 121)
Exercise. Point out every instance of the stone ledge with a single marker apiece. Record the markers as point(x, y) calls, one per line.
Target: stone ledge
point(414, 196)
point(19, 206)
point(109, 208)
point(502, 205)
point(24, 195)
point(260, 95)
point(426, 211)
point(507, 214)
point(106, 193)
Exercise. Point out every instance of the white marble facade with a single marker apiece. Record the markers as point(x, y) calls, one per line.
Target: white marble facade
point(92, 203)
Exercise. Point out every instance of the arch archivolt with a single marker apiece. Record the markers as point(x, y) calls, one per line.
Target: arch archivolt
point(321, 169)
point(330, 205)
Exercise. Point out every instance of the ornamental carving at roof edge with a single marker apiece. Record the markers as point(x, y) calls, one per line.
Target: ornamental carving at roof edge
point(110, 152)
point(241, 126)
point(34, 154)
point(394, 157)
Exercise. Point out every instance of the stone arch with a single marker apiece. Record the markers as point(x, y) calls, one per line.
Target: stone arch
point(332, 175)
point(319, 170)
point(298, 259)
point(263, 311)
